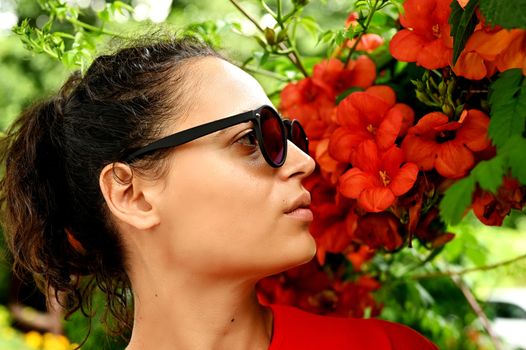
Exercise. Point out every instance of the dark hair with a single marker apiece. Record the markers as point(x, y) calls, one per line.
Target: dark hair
point(56, 222)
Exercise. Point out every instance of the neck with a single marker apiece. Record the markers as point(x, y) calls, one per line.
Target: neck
point(190, 312)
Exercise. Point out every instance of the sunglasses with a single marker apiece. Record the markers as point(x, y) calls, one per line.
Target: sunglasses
point(272, 133)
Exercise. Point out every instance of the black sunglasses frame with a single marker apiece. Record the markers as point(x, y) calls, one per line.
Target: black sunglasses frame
point(196, 132)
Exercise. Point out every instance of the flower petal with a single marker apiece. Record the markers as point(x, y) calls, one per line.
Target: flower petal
point(470, 65)
point(453, 160)
point(348, 115)
point(489, 44)
point(363, 72)
point(367, 158)
point(420, 151)
point(408, 116)
point(353, 182)
point(404, 180)
point(428, 123)
point(388, 130)
point(371, 107)
point(385, 92)
point(392, 159)
point(474, 130)
point(344, 140)
point(434, 54)
point(406, 45)
point(368, 42)
point(376, 199)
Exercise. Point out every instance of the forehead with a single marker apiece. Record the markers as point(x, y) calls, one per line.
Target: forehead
point(220, 89)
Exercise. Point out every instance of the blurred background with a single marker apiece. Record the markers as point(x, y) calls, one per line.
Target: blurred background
point(26, 323)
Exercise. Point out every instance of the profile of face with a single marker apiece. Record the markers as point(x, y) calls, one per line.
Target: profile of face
point(221, 209)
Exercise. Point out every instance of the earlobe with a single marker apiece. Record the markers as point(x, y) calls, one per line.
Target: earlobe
point(125, 196)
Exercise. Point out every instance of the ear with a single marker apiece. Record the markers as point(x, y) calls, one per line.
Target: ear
point(125, 196)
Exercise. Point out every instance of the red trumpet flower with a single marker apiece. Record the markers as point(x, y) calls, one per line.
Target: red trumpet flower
point(426, 39)
point(377, 177)
point(369, 115)
point(434, 142)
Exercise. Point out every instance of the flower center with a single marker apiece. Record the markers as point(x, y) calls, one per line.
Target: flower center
point(436, 30)
point(446, 135)
point(371, 129)
point(385, 178)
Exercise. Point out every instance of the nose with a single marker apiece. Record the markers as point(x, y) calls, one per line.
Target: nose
point(298, 163)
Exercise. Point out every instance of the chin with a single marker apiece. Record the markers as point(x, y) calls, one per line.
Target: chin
point(300, 252)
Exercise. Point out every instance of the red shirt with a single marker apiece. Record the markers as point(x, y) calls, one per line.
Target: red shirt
point(295, 329)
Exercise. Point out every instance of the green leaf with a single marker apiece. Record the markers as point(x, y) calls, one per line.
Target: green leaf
point(310, 25)
point(104, 15)
point(489, 173)
point(507, 98)
point(456, 200)
point(514, 149)
point(463, 22)
point(507, 14)
point(325, 37)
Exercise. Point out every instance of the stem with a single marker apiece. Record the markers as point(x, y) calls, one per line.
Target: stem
point(279, 13)
point(293, 55)
point(95, 29)
point(469, 270)
point(266, 73)
point(268, 9)
point(247, 15)
point(64, 35)
point(296, 56)
point(365, 28)
point(472, 301)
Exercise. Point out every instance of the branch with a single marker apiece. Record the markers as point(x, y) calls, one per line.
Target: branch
point(469, 270)
point(365, 28)
point(470, 298)
point(99, 30)
point(247, 15)
point(266, 73)
point(293, 55)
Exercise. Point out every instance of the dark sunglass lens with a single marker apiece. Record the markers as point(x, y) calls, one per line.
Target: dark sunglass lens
point(299, 138)
point(273, 135)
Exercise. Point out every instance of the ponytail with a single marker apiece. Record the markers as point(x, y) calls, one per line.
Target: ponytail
point(55, 219)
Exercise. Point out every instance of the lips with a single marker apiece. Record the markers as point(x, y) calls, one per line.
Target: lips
point(301, 202)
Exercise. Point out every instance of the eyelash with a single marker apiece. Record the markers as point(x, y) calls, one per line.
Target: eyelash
point(250, 136)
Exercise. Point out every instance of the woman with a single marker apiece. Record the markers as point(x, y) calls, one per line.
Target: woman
point(164, 173)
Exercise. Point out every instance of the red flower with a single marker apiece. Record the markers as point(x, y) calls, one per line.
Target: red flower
point(294, 287)
point(330, 168)
point(434, 142)
point(334, 78)
point(368, 42)
point(432, 230)
point(370, 115)
point(377, 178)
point(358, 254)
point(355, 297)
point(477, 60)
point(491, 209)
point(310, 104)
point(514, 56)
point(379, 230)
point(426, 40)
point(333, 223)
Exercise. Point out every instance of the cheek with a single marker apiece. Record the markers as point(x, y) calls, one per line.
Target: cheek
point(217, 205)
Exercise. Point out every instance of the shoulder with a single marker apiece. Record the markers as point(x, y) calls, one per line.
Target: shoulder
point(297, 329)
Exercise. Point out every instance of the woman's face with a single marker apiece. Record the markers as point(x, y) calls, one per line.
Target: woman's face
point(222, 207)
